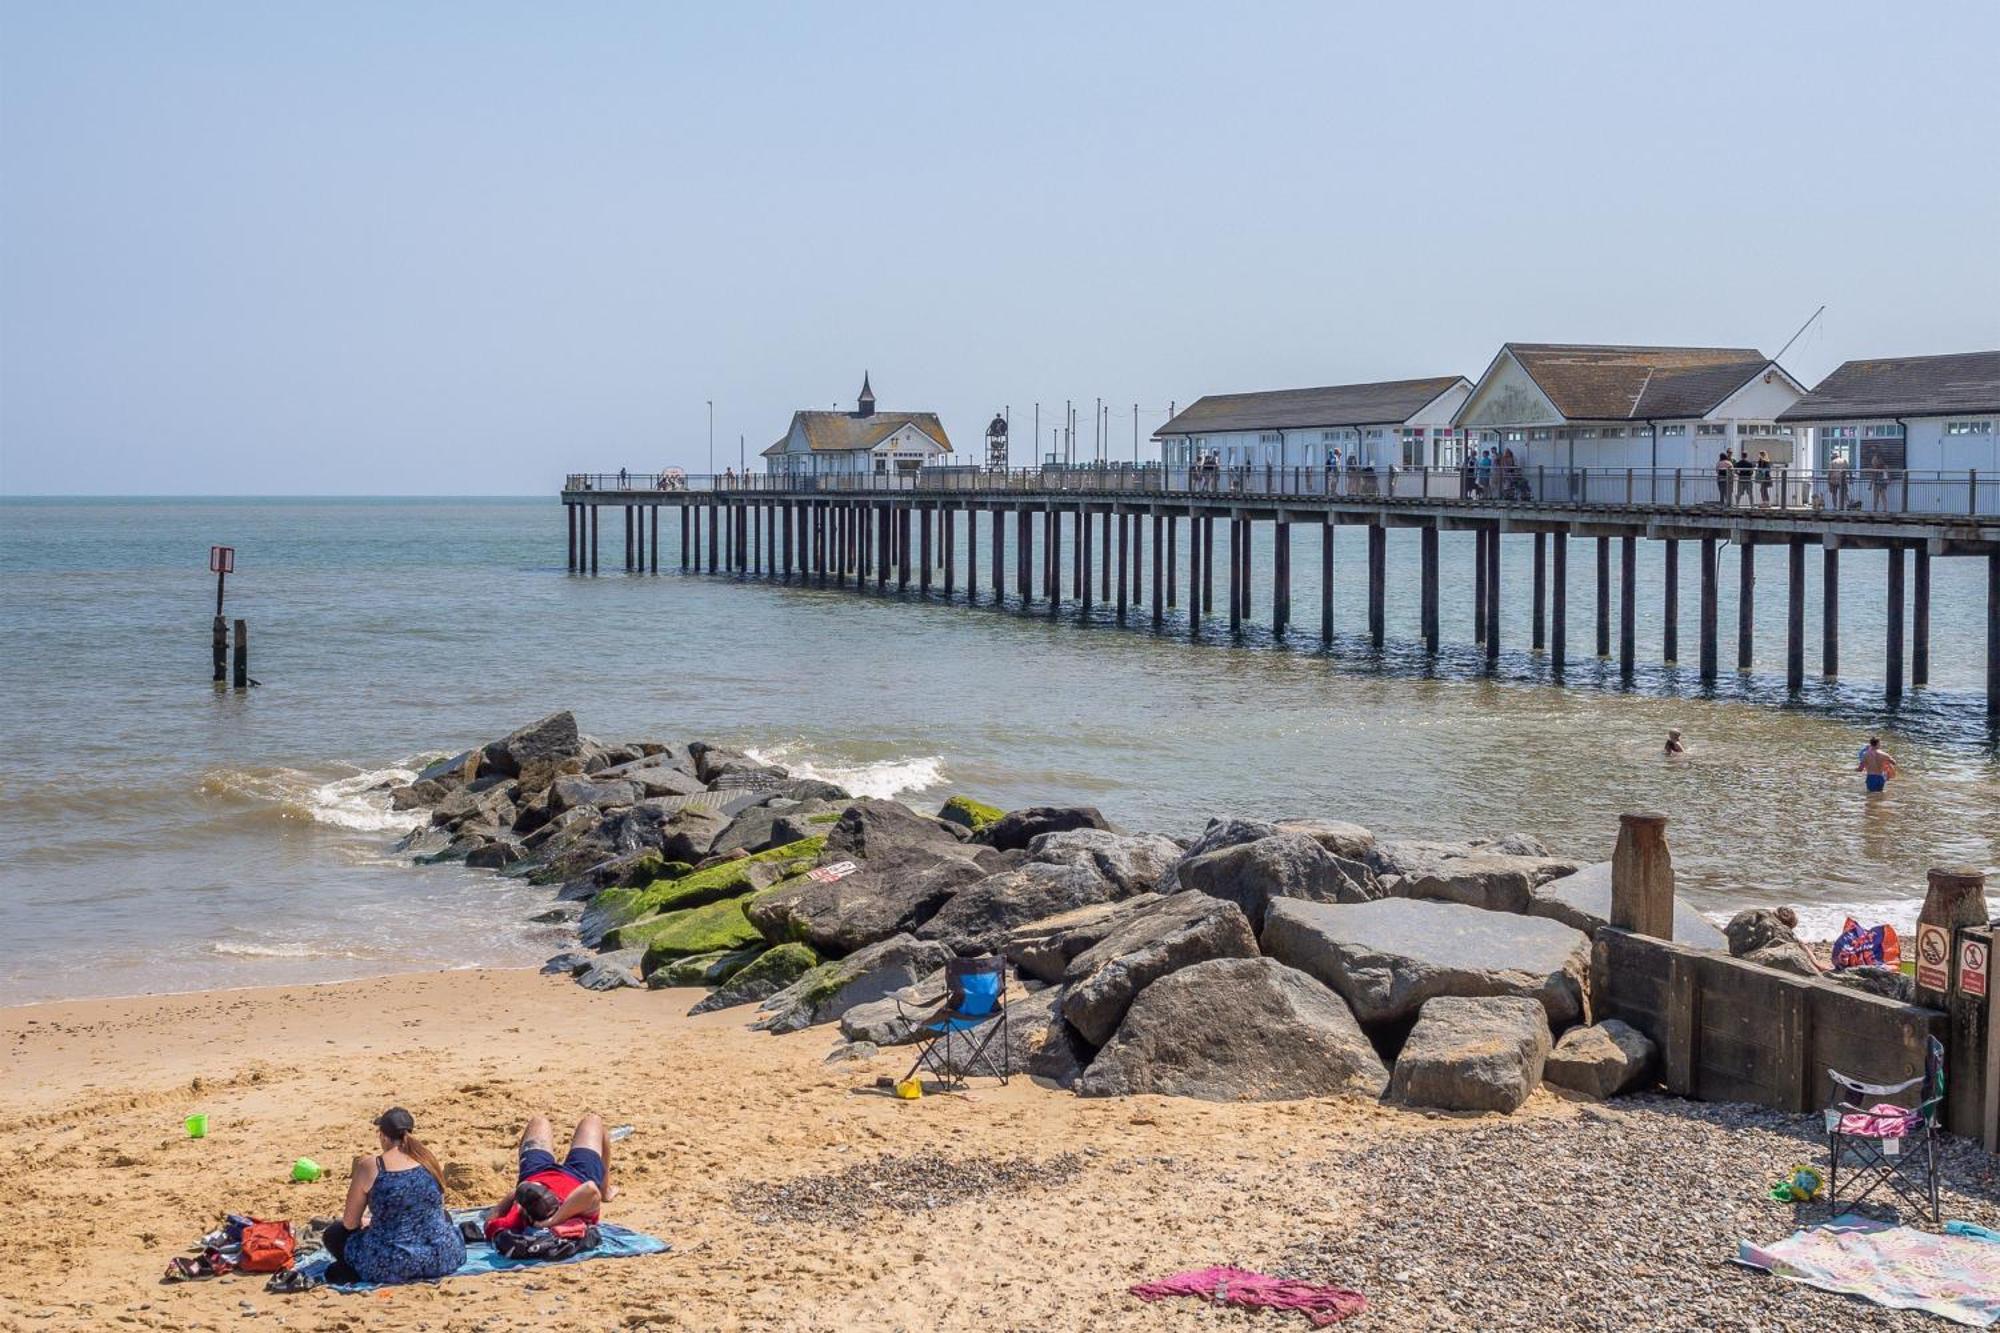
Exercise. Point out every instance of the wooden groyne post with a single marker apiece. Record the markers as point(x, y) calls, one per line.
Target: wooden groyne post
point(1642, 876)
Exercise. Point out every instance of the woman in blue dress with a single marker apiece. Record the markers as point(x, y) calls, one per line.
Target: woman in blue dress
point(407, 1235)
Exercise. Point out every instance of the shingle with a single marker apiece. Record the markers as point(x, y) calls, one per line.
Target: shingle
point(1616, 383)
point(1904, 386)
point(1287, 409)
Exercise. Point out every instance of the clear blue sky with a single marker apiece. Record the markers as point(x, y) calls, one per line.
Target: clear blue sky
point(462, 248)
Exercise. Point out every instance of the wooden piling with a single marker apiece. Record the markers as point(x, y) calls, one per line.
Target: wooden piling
point(1159, 572)
point(1104, 556)
point(1378, 585)
point(924, 561)
point(627, 511)
point(1138, 559)
point(971, 555)
point(569, 510)
point(219, 648)
point(1479, 585)
point(1892, 673)
point(1993, 636)
point(1954, 896)
point(1558, 601)
point(1281, 540)
point(999, 561)
point(241, 663)
point(1493, 596)
point(1920, 622)
point(1604, 597)
point(1829, 625)
point(1746, 603)
point(1642, 876)
point(1628, 605)
point(1194, 572)
point(1538, 630)
point(653, 519)
point(1427, 560)
point(1124, 526)
point(1708, 610)
point(947, 535)
point(1235, 575)
point(1670, 605)
point(1208, 564)
point(1173, 558)
point(1086, 590)
point(714, 545)
point(1052, 546)
point(1243, 564)
point(593, 538)
point(1326, 580)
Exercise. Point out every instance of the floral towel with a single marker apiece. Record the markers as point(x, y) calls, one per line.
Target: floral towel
point(1955, 1276)
point(1322, 1305)
point(1884, 1120)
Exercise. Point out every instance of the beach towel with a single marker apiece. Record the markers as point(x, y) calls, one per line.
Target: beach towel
point(614, 1242)
point(1955, 1276)
point(1322, 1305)
point(1884, 1120)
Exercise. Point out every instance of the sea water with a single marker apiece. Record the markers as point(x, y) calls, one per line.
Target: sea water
point(157, 834)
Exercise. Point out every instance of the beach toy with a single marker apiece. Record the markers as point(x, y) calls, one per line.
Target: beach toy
point(910, 1089)
point(197, 1126)
point(306, 1170)
point(1801, 1186)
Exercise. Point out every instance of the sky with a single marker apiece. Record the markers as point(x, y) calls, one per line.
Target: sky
point(436, 248)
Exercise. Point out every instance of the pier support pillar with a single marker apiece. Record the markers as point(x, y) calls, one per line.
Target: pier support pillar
point(682, 512)
point(1024, 554)
point(1208, 564)
point(1427, 574)
point(1194, 574)
point(1708, 613)
point(1892, 673)
point(1746, 604)
point(1795, 615)
point(1052, 554)
point(1479, 585)
point(1493, 596)
point(1173, 558)
point(1124, 538)
point(714, 537)
point(1670, 605)
point(1604, 597)
point(569, 511)
point(784, 517)
point(1628, 606)
point(1538, 631)
point(1235, 576)
point(998, 538)
point(1378, 584)
point(1159, 571)
point(628, 537)
point(1079, 566)
point(924, 552)
point(1326, 580)
point(1086, 588)
point(1104, 556)
point(1993, 634)
point(593, 538)
point(1920, 622)
point(971, 556)
point(1138, 558)
point(1829, 625)
point(1281, 541)
point(1558, 601)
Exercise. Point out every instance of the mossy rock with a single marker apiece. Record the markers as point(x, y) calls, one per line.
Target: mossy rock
point(698, 888)
point(830, 817)
point(650, 867)
point(707, 969)
point(774, 969)
point(717, 928)
point(968, 813)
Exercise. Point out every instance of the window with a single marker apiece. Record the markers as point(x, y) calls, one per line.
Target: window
point(1328, 436)
point(1413, 448)
point(1711, 428)
point(1268, 437)
point(1968, 428)
point(1512, 436)
point(1671, 431)
point(1617, 432)
point(1883, 431)
point(1537, 434)
point(1374, 434)
point(1587, 433)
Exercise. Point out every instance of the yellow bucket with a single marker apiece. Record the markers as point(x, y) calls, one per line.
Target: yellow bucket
point(910, 1089)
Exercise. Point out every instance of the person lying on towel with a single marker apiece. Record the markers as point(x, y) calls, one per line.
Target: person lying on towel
point(554, 1208)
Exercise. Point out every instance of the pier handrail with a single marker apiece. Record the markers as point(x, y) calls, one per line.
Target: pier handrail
point(1857, 491)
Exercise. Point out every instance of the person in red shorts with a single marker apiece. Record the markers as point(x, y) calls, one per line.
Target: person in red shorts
point(549, 1193)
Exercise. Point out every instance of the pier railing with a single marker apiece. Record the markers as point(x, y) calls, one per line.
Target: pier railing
point(1897, 491)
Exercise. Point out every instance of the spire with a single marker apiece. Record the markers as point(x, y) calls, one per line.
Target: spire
point(864, 406)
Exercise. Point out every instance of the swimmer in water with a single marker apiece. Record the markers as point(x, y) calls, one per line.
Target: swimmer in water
point(1674, 747)
point(1877, 764)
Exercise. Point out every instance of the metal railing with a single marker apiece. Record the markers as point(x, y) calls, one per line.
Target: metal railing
point(1854, 492)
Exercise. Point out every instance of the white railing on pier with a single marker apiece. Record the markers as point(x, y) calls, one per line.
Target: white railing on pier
point(1778, 489)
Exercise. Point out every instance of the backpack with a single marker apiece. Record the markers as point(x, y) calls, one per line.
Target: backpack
point(268, 1247)
point(566, 1242)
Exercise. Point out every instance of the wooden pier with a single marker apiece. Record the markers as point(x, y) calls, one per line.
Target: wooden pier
point(1153, 526)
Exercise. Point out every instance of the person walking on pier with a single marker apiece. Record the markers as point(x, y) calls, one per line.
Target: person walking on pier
point(1836, 483)
point(1486, 461)
point(1877, 764)
point(622, 479)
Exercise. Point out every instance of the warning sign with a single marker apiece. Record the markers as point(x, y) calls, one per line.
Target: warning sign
point(1972, 967)
point(1933, 957)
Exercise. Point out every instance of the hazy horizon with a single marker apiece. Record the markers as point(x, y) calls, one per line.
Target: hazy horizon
point(464, 249)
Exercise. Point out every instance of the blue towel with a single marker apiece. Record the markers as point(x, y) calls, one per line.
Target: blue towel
point(614, 1242)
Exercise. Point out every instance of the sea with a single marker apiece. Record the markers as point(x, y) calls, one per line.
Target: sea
point(159, 834)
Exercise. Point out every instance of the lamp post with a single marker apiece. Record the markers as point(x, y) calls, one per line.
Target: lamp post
point(711, 438)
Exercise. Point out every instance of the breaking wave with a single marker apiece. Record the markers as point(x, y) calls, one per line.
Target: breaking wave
point(883, 779)
point(358, 802)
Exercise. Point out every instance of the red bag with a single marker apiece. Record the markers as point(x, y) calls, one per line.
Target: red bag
point(268, 1247)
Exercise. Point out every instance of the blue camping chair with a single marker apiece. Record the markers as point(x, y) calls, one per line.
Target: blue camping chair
point(1897, 1156)
point(975, 1012)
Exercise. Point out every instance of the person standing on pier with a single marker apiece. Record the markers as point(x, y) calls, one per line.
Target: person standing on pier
point(1764, 477)
point(1877, 764)
point(1836, 483)
point(1724, 469)
point(1745, 470)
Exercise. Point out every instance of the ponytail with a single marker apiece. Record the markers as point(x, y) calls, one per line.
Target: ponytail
point(424, 1157)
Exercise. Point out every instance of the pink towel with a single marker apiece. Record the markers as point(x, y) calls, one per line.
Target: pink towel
point(1884, 1120)
point(1258, 1291)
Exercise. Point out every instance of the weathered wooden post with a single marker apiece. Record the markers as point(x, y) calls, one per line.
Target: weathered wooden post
point(1378, 584)
point(221, 563)
point(1746, 602)
point(1493, 596)
point(1829, 625)
point(1479, 585)
point(1670, 605)
point(1538, 629)
point(1604, 597)
point(1427, 576)
point(1326, 580)
point(1956, 897)
point(1708, 612)
point(1628, 605)
point(1795, 615)
point(1173, 559)
point(242, 660)
point(1642, 876)
point(1559, 602)
point(1954, 946)
point(1892, 671)
point(1920, 621)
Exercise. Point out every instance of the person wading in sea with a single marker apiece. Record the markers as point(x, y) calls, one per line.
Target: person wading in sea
point(1674, 748)
point(1878, 764)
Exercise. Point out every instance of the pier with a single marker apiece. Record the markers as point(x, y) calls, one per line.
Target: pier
point(1144, 539)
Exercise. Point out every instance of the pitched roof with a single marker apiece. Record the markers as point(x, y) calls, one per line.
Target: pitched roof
point(840, 432)
point(1600, 383)
point(1904, 386)
point(1335, 405)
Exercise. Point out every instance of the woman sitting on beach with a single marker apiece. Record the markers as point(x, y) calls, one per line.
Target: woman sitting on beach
point(408, 1235)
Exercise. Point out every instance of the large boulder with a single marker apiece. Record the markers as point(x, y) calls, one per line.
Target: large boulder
point(656, 779)
point(1336, 835)
point(907, 867)
point(1228, 833)
point(1483, 1054)
point(1284, 865)
point(1387, 958)
point(572, 791)
point(455, 771)
point(477, 803)
point(980, 917)
point(1133, 862)
point(611, 971)
point(1166, 936)
point(831, 989)
point(1489, 880)
point(1014, 830)
point(1237, 1029)
point(1601, 1060)
point(678, 832)
point(545, 743)
point(1038, 1042)
point(897, 1019)
point(761, 978)
point(1043, 949)
point(774, 824)
point(1582, 901)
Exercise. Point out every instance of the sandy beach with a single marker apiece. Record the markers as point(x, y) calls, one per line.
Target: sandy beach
point(1443, 1221)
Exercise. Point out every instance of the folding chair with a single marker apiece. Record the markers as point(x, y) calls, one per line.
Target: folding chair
point(1886, 1147)
point(975, 997)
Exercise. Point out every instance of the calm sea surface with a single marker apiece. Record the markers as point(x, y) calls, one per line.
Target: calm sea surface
point(156, 835)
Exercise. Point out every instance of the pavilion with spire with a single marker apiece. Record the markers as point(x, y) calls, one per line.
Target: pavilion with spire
point(858, 443)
